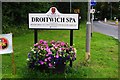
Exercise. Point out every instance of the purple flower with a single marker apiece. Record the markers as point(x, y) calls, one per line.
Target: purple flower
point(73, 58)
point(68, 57)
point(41, 62)
point(52, 53)
point(28, 55)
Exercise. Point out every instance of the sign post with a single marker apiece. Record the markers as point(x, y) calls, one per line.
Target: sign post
point(13, 64)
point(7, 47)
point(53, 20)
point(88, 31)
point(71, 35)
point(35, 36)
point(92, 3)
point(92, 12)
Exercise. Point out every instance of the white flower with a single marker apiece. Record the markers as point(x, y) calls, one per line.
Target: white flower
point(60, 49)
point(28, 59)
point(75, 50)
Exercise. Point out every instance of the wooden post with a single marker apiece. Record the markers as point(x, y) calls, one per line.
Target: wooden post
point(13, 62)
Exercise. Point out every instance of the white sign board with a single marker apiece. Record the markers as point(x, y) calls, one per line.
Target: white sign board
point(53, 20)
point(6, 43)
point(92, 11)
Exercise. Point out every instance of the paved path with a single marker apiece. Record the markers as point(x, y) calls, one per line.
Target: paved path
point(107, 29)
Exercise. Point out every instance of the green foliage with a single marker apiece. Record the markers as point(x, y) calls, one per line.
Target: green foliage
point(83, 9)
point(74, 5)
point(107, 10)
point(15, 14)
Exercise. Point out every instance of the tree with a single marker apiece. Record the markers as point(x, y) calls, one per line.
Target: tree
point(74, 5)
point(107, 10)
point(16, 13)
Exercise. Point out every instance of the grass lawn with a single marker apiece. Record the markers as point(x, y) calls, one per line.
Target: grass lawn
point(103, 63)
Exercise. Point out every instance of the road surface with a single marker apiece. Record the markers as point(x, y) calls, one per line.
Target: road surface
point(110, 30)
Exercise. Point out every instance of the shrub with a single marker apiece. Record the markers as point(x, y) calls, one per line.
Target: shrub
point(50, 54)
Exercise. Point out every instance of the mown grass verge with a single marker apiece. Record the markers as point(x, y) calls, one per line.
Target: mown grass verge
point(103, 62)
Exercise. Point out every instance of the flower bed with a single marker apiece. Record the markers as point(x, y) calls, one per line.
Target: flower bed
point(53, 54)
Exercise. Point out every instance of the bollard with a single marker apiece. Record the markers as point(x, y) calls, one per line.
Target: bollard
point(105, 20)
point(116, 22)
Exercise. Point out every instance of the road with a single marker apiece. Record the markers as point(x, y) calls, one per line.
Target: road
point(110, 30)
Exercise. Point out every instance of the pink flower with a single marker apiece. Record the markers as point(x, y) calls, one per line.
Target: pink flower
point(50, 52)
point(67, 49)
point(57, 56)
point(41, 41)
point(39, 47)
point(46, 45)
point(50, 65)
point(36, 44)
point(56, 47)
point(52, 42)
point(47, 49)
point(75, 55)
point(49, 58)
point(47, 55)
point(45, 60)
point(45, 42)
point(60, 49)
point(62, 43)
point(63, 48)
